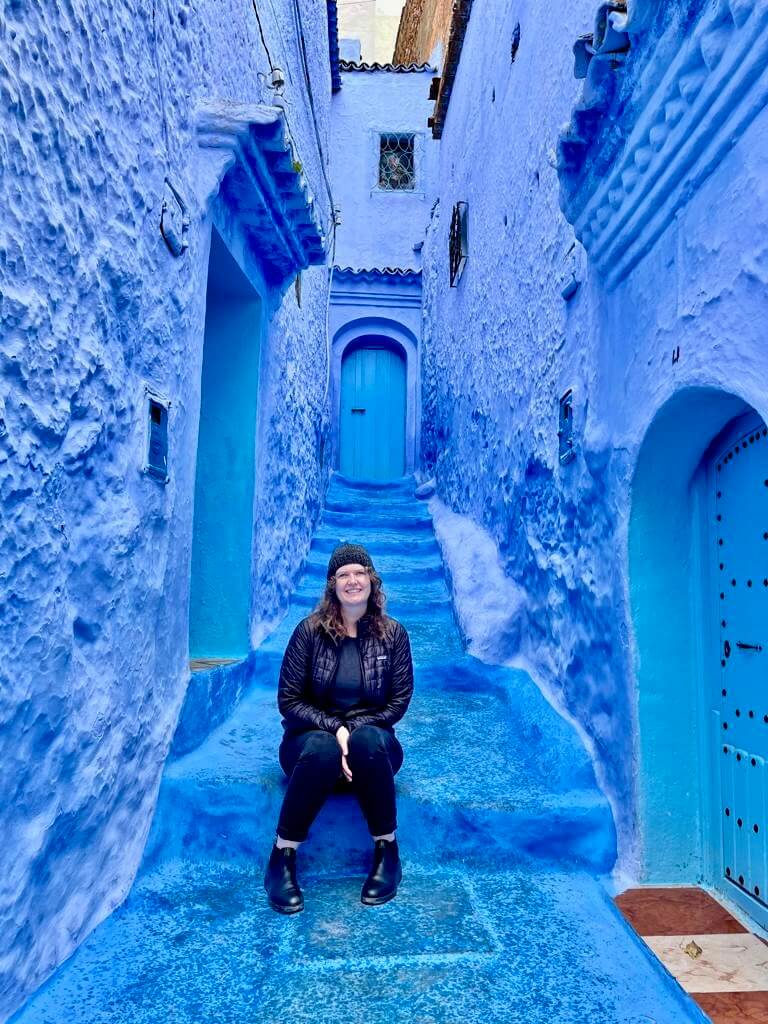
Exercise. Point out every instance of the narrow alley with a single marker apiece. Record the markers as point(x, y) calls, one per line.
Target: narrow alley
point(466, 298)
point(505, 839)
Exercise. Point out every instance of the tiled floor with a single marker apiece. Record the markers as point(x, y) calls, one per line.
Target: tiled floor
point(712, 955)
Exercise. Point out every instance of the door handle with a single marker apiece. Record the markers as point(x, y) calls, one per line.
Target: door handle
point(358, 410)
point(748, 647)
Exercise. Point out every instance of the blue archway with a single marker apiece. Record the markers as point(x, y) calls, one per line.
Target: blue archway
point(670, 591)
point(387, 334)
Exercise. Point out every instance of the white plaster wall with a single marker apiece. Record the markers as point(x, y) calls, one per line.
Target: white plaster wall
point(94, 557)
point(499, 350)
point(380, 229)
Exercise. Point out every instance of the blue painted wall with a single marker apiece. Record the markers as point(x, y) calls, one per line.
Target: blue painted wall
point(95, 556)
point(380, 229)
point(499, 351)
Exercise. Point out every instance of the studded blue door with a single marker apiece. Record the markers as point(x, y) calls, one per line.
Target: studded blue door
point(372, 426)
point(739, 545)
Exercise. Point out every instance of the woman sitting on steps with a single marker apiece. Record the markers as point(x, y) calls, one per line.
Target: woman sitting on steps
point(346, 679)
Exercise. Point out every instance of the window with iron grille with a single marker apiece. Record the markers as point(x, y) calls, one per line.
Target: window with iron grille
point(396, 163)
point(457, 244)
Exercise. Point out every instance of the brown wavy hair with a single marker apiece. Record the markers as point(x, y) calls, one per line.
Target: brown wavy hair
point(328, 611)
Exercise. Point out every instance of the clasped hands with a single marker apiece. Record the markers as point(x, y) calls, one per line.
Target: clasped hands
point(342, 738)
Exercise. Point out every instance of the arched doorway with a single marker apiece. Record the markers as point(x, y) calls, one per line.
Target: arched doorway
point(698, 559)
point(372, 410)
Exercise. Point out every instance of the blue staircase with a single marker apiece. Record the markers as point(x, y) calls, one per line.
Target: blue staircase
point(504, 835)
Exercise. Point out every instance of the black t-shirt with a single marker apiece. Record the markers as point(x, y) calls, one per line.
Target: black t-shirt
point(348, 682)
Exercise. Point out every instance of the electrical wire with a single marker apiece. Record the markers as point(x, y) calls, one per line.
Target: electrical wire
point(313, 113)
point(261, 33)
point(310, 96)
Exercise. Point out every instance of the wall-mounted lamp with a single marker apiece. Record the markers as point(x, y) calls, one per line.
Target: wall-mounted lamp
point(277, 80)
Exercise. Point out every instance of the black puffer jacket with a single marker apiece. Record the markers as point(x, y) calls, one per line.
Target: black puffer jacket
point(309, 667)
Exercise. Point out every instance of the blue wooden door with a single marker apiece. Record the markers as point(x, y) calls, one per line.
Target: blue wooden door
point(372, 425)
point(739, 550)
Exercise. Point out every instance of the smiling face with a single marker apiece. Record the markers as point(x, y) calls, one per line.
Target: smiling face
point(353, 585)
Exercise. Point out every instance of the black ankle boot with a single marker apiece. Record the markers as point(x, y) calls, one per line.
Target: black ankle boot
point(280, 881)
point(385, 874)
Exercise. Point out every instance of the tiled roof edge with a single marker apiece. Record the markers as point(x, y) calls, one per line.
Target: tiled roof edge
point(348, 65)
point(270, 193)
point(405, 275)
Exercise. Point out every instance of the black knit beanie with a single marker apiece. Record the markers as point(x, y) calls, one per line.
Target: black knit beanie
point(348, 554)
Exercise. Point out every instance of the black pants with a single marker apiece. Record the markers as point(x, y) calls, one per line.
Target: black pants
point(312, 762)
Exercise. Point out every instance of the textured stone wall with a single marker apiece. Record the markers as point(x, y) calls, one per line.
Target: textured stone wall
point(98, 104)
point(500, 349)
point(424, 25)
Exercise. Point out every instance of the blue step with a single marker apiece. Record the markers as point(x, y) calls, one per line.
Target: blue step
point(391, 521)
point(360, 489)
point(501, 826)
point(537, 798)
point(377, 542)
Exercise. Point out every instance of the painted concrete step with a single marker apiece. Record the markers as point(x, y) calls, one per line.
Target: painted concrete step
point(344, 502)
point(197, 943)
point(405, 485)
point(400, 610)
point(397, 519)
point(365, 499)
point(397, 609)
point(362, 497)
point(235, 823)
point(491, 771)
point(398, 543)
